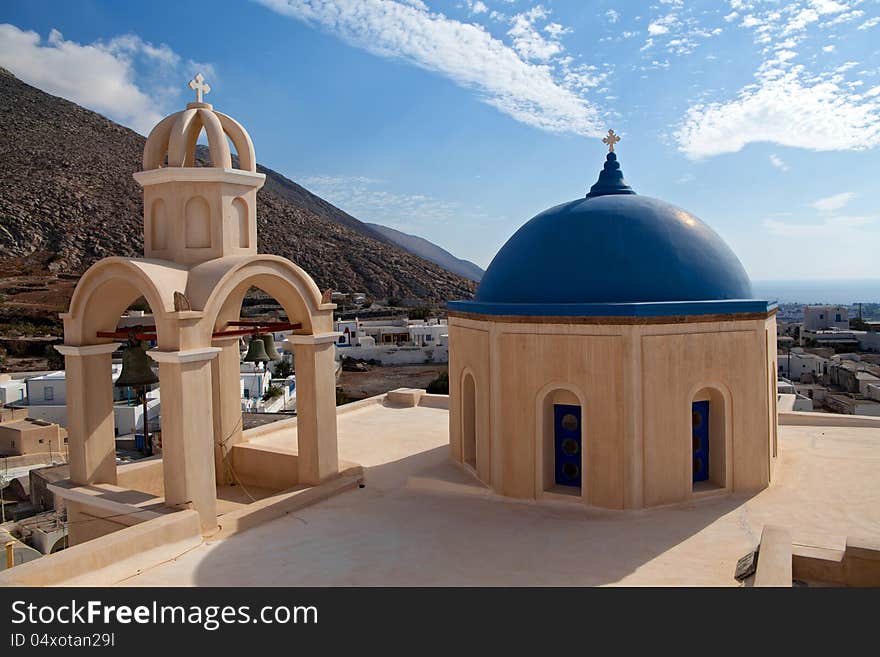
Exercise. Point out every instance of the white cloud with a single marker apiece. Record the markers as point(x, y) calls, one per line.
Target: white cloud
point(612, 16)
point(464, 53)
point(777, 162)
point(477, 7)
point(527, 40)
point(655, 28)
point(102, 75)
point(833, 203)
point(363, 197)
point(806, 103)
point(837, 227)
point(827, 6)
point(871, 22)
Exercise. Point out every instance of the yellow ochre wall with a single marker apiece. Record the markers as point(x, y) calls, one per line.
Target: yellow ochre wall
point(635, 383)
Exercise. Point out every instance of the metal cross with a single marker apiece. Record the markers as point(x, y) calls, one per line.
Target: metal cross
point(201, 87)
point(611, 139)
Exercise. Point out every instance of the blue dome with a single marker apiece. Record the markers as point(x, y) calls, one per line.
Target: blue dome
point(614, 248)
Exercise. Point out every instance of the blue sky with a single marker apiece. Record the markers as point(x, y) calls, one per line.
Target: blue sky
point(459, 120)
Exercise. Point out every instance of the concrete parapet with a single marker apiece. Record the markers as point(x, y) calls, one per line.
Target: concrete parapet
point(774, 558)
point(805, 418)
point(114, 557)
point(408, 397)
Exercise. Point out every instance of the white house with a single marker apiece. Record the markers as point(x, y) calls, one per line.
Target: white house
point(47, 400)
point(795, 363)
point(12, 390)
point(817, 318)
point(397, 341)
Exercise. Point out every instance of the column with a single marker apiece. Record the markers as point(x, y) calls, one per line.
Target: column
point(188, 431)
point(90, 424)
point(314, 362)
point(226, 398)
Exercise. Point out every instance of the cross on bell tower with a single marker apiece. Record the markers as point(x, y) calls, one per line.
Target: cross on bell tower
point(201, 87)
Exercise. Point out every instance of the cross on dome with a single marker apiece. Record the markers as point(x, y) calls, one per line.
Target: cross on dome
point(610, 140)
point(201, 87)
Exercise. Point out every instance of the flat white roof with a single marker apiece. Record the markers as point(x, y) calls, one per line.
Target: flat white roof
point(423, 521)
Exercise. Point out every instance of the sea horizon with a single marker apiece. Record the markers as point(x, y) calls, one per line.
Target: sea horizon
point(836, 291)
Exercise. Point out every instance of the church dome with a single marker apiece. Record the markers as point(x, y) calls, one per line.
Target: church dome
point(173, 141)
point(613, 247)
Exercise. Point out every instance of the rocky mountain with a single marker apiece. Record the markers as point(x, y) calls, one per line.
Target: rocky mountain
point(430, 251)
point(68, 198)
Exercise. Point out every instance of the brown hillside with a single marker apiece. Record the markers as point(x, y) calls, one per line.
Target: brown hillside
point(67, 199)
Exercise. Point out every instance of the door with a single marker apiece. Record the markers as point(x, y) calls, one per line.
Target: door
point(567, 441)
point(700, 422)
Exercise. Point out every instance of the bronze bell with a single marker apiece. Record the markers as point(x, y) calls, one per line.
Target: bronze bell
point(256, 350)
point(136, 370)
point(269, 343)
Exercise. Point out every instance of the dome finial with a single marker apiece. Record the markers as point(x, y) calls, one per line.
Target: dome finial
point(611, 177)
point(611, 139)
point(202, 88)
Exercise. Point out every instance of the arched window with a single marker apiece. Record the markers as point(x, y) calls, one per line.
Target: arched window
point(562, 443)
point(469, 421)
point(198, 223)
point(708, 440)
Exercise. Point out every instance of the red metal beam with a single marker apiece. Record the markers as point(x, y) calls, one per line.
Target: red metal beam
point(272, 326)
point(253, 328)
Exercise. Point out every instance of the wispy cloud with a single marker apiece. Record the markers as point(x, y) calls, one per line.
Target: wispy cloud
point(833, 203)
point(532, 93)
point(368, 200)
point(826, 227)
point(827, 223)
point(104, 75)
point(777, 162)
point(812, 105)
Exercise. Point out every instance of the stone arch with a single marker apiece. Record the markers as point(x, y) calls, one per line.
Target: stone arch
point(185, 133)
point(108, 287)
point(186, 125)
point(720, 443)
point(157, 143)
point(545, 459)
point(103, 293)
point(241, 140)
point(219, 286)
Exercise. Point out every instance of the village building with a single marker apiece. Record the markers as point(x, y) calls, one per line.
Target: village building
point(12, 390)
point(397, 341)
point(798, 365)
point(31, 436)
point(818, 318)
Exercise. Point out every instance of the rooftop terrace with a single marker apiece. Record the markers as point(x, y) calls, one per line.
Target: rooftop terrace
point(421, 520)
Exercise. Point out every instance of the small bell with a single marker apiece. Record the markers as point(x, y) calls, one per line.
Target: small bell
point(269, 343)
point(136, 370)
point(256, 350)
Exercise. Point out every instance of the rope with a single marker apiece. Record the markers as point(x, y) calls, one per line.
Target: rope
point(228, 461)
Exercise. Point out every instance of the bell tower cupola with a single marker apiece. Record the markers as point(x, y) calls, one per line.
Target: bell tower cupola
point(192, 212)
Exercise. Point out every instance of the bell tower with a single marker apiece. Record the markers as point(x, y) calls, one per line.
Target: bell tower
point(197, 213)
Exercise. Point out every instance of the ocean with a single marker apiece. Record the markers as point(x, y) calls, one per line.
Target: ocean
point(841, 291)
